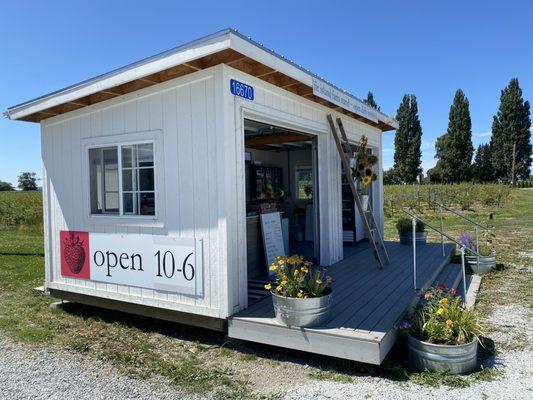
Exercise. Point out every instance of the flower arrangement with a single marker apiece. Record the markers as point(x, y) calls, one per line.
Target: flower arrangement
point(485, 246)
point(363, 170)
point(296, 278)
point(406, 225)
point(441, 318)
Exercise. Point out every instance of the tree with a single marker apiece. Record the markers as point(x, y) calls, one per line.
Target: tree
point(511, 125)
point(28, 181)
point(391, 177)
point(435, 175)
point(370, 101)
point(5, 186)
point(483, 171)
point(454, 149)
point(407, 154)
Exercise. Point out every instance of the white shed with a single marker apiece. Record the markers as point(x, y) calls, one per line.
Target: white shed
point(154, 176)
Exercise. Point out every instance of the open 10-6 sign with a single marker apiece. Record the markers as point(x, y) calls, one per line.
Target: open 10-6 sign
point(149, 261)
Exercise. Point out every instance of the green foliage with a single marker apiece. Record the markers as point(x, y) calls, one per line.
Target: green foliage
point(5, 186)
point(482, 168)
point(442, 319)
point(407, 154)
point(511, 125)
point(296, 278)
point(391, 177)
point(28, 181)
point(370, 101)
point(406, 225)
point(435, 174)
point(21, 208)
point(454, 149)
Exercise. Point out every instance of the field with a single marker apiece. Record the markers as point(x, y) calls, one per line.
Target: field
point(200, 361)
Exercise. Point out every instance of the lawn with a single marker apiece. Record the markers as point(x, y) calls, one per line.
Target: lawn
point(201, 361)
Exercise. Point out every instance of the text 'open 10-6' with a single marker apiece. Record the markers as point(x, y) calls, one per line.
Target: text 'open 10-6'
point(165, 263)
point(241, 89)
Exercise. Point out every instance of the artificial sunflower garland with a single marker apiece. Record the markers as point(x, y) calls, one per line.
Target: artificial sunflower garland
point(363, 170)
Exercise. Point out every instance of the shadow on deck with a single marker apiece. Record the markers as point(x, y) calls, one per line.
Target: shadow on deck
point(368, 305)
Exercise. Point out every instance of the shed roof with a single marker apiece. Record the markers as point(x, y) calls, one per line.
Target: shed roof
point(227, 46)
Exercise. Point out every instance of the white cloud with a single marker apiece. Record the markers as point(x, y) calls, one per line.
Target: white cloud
point(387, 150)
point(482, 134)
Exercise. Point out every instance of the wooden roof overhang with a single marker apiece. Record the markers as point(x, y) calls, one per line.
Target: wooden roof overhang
point(170, 65)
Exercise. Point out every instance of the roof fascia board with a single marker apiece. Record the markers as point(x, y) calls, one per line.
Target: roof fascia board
point(122, 75)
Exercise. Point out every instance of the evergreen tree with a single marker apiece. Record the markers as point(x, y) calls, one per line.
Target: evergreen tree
point(407, 154)
point(511, 125)
point(370, 101)
point(483, 171)
point(454, 149)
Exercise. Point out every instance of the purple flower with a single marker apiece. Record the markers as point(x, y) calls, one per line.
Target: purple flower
point(405, 325)
point(466, 240)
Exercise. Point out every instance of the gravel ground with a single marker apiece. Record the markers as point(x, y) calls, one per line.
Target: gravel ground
point(32, 374)
point(513, 338)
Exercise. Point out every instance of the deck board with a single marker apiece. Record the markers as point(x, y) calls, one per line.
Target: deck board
point(367, 304)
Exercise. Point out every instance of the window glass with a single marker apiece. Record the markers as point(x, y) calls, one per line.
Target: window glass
point(137, 176)
point(304, 183)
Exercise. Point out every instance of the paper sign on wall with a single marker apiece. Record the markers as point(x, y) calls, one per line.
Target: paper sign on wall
point(149, 261)
point(272, 236)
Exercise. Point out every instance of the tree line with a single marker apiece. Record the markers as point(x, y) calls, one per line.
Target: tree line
point(505, 158)
point(26, 181)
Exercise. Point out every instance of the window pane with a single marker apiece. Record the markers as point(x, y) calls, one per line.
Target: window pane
point(111, 202)
point(146, 179)
point(147, 203)
point(127, 180)
point(129, 206)
point(111, 170)
point(95, 176)
point(127, 156)
point(304, 182)
point(145, 154)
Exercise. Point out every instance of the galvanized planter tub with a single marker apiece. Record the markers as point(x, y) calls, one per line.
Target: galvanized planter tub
point(302, 312)
point(485, 265)
point(407, 238)
point(456, 359)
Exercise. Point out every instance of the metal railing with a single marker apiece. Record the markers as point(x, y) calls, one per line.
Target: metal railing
point(441, 232)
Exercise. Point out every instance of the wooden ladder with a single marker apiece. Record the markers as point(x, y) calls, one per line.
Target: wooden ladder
point(372, 231)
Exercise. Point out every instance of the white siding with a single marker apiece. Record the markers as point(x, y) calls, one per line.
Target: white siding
point(184, 112)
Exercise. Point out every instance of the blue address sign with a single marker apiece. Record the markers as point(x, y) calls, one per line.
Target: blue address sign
point(241, 89)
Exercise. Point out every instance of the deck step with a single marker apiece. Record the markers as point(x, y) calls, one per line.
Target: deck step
point(450, 276)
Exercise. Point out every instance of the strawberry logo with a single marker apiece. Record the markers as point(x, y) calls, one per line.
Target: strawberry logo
point(74, 253)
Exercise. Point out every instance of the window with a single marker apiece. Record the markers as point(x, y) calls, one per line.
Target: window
point(122, 179)
point(304, 183)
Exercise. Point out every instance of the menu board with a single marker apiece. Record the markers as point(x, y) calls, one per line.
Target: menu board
point(272, 236)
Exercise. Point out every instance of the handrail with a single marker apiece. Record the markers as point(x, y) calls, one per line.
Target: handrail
point(442, 235)
point(440, 232)
point(462, 216)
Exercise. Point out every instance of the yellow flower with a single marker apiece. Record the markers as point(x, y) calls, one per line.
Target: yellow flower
point(443, 301)
point(319, 281)
point(283, 282)
point(449, 322)
point(305, 270)
point(273, 267)
point(440, 311)
point(279, 288)
point(299, 295)
point(367, 180)
point(296, 272)
point(268, 286)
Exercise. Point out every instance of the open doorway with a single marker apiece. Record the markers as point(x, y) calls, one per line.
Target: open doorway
point(281, 176)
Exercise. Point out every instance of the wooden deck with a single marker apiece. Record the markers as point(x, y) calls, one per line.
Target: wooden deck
point(368, 305)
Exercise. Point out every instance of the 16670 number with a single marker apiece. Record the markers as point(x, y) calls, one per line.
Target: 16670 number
point(241, 89)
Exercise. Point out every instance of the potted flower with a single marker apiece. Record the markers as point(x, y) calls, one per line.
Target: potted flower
point(405, 230)
point(363, 170)
point(443, 334)
point(486, 250)
point(301, 294)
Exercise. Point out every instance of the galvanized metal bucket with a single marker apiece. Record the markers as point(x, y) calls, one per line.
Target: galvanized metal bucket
point(302, 312)
point(485, 265)
point(456, 359)
point(407, 238)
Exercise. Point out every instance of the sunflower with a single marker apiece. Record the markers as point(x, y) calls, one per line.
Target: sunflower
point(367, 180)
point(368, 171)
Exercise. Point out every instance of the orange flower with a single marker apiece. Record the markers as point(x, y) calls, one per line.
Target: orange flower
point(449, 322)
point(427, 296)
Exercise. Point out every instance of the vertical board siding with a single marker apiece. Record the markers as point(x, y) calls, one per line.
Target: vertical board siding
point(184, 110)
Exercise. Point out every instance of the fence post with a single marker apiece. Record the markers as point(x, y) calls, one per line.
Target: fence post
point(414, 253)
point(477, 246)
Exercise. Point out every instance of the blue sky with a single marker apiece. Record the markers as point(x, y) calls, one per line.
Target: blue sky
point(394, 47)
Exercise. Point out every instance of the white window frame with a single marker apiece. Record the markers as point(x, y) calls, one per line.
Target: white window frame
point(153, 137)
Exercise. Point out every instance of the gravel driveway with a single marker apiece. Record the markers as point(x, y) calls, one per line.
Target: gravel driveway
point(30, 374)
point(43, 374)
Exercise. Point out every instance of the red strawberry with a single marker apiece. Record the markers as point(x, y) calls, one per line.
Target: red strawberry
point(74, 254)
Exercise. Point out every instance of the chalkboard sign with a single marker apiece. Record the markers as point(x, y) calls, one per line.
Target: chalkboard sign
point(272, 236)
